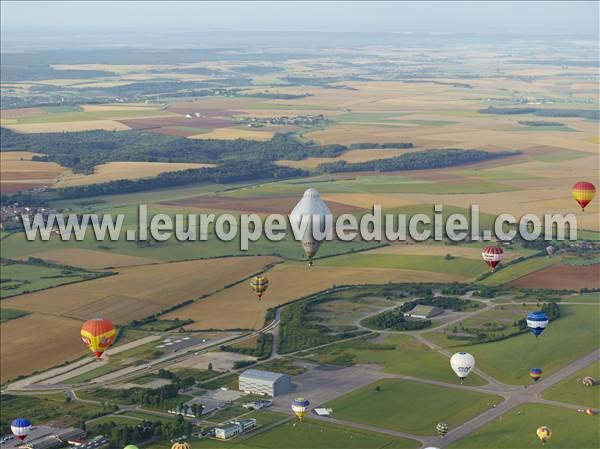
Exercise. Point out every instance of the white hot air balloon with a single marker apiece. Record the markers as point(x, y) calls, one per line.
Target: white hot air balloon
point(315, 210)
point(462, 363)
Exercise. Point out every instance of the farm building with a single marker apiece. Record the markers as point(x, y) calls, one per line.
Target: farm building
point(234, 428)
point(423, 312)
point(264, 382)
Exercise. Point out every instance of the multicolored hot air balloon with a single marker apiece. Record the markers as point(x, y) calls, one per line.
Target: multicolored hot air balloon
point(537, 322)
point(98, 334)
point(544, 433)
point(492, 255)
point(300, 407)
point(315, 210)
point(442, 428)
point(583, 192)
point(259, 284)
point(590, 411)
point(20, 428)
point(462, 363)
point(535, 373)
point(181, 445)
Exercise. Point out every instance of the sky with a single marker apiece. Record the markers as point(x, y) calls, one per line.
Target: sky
point(554, 17)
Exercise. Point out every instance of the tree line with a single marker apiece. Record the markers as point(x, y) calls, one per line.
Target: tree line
point(420, 160)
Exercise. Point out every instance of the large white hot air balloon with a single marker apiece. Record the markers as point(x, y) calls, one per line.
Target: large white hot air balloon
point(315, 210)
point(462, 363)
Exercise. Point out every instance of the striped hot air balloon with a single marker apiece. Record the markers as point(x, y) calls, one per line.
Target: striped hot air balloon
point(181, 445)
point(590, 411)
point(537, 322)
point(535, 373)
point(300, 407)
point(98, 334)
point(442, 429)
point(588, 381)
point(544, 433)
point(583, 192)
point(492, 255)
point(20, 427)
point(259, 284)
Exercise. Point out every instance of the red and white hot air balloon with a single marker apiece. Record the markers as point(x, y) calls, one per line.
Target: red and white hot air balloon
point(492, 255)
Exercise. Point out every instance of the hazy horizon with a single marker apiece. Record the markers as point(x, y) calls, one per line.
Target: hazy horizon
point(577, 18)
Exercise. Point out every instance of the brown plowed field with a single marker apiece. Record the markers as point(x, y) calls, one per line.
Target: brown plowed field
point(562, 277)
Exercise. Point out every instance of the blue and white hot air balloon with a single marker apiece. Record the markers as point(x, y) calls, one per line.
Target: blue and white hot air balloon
point(20, 427)
point(300, 406)
point(537, 322)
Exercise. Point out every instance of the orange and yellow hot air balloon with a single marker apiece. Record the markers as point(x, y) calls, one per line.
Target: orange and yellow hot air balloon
point(544, 433)
point(98, 334)
point(259, 284)
point(583, 192)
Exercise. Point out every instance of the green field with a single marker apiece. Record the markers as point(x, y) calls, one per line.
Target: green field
point(10, 314)
point(570, 337)
point(78, 116)
point(46, 408)
point(150, 416)
point(428, 405)
point(588, 297)
point(515, 271)
point(118, 419)
point(397, 354)
point(570, 430)
point(572, 391)
point(459, 266)
point(19, 278)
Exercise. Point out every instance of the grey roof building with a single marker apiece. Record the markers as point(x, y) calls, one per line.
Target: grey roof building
point(424, 312)
point(264, 382)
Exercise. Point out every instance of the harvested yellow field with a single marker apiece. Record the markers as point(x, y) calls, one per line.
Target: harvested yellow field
point(52, 341)
point(352, 156)
point(140, 291)
point(89, 258)
point(58, 127)
point(113, 171)
point(234, 133)
point(19, 172)
point(424, 249)
point(121, 107)
point(237, 307)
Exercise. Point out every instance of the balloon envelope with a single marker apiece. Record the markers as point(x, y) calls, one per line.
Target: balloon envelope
point(259, 285)
point(442, 428)
point(300, 407)
point(583, 192)
point(20, 428)
point(492, 255)
point(537, 322)
point(462, 363)
point(544, 433)
point(535, 373)
point(98, 334)
point(314, 211)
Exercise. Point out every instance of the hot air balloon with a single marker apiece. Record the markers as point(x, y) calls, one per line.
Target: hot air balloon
point(550, 250)
point(588, 381)
point(259, 284)
point(130, 446)
point(181, 445)
point(442, 429)
point(98, 334)
point(590, 411)
point(583, 192)
point(300, 407)
point(535, 373)
point(544, 433)
point(537, 322)
point(20, 427)
point(492, 255)
point(462, 363)
point(315, 210)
